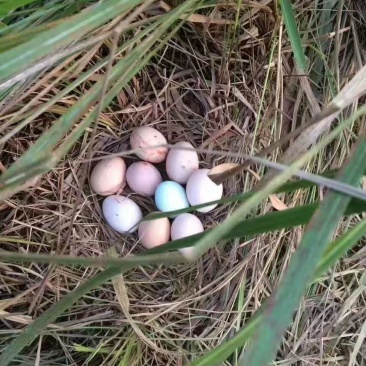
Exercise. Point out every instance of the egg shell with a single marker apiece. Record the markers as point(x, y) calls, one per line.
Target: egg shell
point(186, 225)
point(108, 176)
point(144, 137)
point(201, 189)
point(180, 164)
point(153, 233)
point(170, 196)
point(143, 178)
point(121, 213)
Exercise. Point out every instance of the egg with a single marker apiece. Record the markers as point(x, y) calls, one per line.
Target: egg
point(180, 164)
point(143, 178)
point(144, 137)
point(108, 176)
point(201, 189)
point(153, 233)
point(121, 213)
point(170, 196)
point(185, 225)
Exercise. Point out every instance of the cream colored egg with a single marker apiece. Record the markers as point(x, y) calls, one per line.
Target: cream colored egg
point(143, 178)
point(108, 176)
point(201, 189)
point(147, 137)
point(153, 233)
point(180, 164)
point(186, 225)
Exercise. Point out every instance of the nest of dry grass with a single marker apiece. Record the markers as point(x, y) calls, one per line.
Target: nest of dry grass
point(205, 87)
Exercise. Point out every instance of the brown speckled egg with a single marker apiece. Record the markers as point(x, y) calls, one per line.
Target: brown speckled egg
point(144, 137)
point(143, 178)
point(154, 232)
point(108, 176)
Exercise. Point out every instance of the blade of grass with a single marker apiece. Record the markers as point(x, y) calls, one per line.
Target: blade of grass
point(7, 6)
point(294, 36)
point(334, 252)
point(63, 34)
point(284, 301)
point(248, 228)
point(260, 225)
point(340, 247)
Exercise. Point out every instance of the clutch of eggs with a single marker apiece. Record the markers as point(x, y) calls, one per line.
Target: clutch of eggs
point(109, 177)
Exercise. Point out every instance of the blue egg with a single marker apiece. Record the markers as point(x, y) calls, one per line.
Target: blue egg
point(170, 196)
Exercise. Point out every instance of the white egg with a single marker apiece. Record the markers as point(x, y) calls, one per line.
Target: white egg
point(186, 225)
point(143, 178)
point(121, 213)
point(180, 164)
point(201, 189)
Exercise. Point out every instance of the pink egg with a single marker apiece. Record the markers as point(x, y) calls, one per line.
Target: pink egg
point(186, 225)
point(145, 137)
point(108, 176)
point(143, 178)
point(154, 232)
point(181, 164)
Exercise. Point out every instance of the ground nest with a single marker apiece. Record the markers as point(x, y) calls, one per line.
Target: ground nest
point(201, 91)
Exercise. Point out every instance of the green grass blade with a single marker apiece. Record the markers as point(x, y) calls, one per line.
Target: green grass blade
point(293, 34)
point(61, 35)
point(266, 223)
point(262, 224)
point(7, 6)
point(221, 353)
point(248, 228)
point(340, 247)
point(334, 252)
point(284, 301)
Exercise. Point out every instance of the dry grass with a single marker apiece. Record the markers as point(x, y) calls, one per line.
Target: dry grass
point(207, 86)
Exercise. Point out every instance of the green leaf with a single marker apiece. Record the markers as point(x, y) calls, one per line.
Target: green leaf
point(293, 34)
point(334, 252)
point(283, 302)
point(262, 224)
point(221, 353)
point(6, 6)
point(61, 35)
point(248, 228)
point(340, 247)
